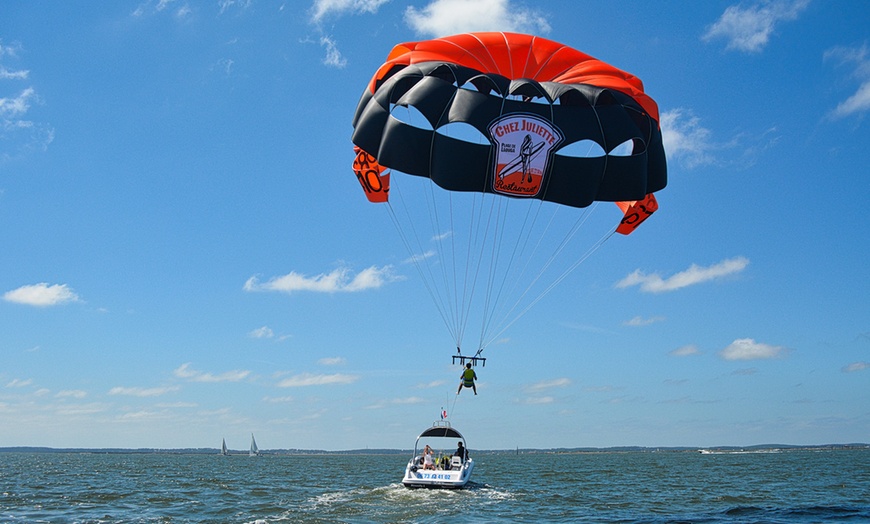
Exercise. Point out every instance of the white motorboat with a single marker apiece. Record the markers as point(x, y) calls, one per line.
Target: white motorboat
point(448, 469)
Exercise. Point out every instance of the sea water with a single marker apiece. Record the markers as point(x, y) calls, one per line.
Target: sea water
point(648, 487)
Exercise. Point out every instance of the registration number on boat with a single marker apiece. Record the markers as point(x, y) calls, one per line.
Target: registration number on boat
point(434, 476)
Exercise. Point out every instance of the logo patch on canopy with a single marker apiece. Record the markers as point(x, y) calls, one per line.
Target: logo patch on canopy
point(522, 143)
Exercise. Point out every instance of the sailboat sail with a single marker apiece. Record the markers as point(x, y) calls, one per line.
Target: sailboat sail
point(224, 450)
point(254, 449)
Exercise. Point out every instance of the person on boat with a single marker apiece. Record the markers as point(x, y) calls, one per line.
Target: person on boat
point(427, 458)
point(461, 452)
point(468, 377)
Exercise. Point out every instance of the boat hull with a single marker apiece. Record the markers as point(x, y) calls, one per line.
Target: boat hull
point(416, 477)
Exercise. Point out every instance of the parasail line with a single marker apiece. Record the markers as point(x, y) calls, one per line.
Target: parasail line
point(549, 288)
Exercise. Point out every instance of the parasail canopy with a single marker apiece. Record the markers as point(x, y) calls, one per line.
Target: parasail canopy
point(531, 98)
point(506, 115)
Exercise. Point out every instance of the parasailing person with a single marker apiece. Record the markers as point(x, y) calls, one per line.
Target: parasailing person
point(467, 379)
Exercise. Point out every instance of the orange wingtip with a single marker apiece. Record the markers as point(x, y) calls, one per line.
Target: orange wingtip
point(635, 212)
point(371, 176)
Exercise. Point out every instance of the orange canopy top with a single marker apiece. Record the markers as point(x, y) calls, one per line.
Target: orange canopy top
point(516, 56)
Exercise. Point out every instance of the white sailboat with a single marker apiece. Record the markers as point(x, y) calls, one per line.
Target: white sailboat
point(254, 449)
point(224, 450)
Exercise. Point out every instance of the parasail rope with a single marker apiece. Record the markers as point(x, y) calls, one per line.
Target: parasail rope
point(523, 240)
point(549, 288)
point(454, 298)
point(564, 243)
point(566, 240)
point(415, 259)
point(453, 407)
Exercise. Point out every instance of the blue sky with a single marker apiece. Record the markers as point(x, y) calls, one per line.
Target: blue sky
point(187, 256)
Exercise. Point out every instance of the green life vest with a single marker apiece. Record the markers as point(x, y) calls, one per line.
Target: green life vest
point(468, 377)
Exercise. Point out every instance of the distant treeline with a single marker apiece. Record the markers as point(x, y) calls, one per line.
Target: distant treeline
point(618, 449)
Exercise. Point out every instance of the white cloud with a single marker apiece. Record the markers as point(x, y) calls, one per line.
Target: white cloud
point(417, 259)
point(18, 383)
point(430, 385)
point(41, 295)
point(277, 400)
point(639, 321)
point(323, 8)
point(857, 57)
point(332, 361)
point(227, 4)
point(409, 400)
point(262, 332)
point(684, 138)
point(18, 135)
point(601, 389)
point(685, 351)
point(184, 371)
point(333, 56)
point(308, 379)
point(539, 400)
point(75, 410)
point(859, 102)
point(442, 236)
point(224, 65)
point(690, 144)
point(176, 405)
point(13, 107)
point(548, 384)
point(749, 349)
point(183, 10)
point(142, 392)
point(654, 283)
point(446, 17)
point(9, 50)
point(23, 136)
point(856, 366)
point(748, 28)
point(71, 393)
point(339, 280)
point(6, 74)
point(141, 415)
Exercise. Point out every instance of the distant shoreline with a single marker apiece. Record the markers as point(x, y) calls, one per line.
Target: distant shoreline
point(617, 449)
